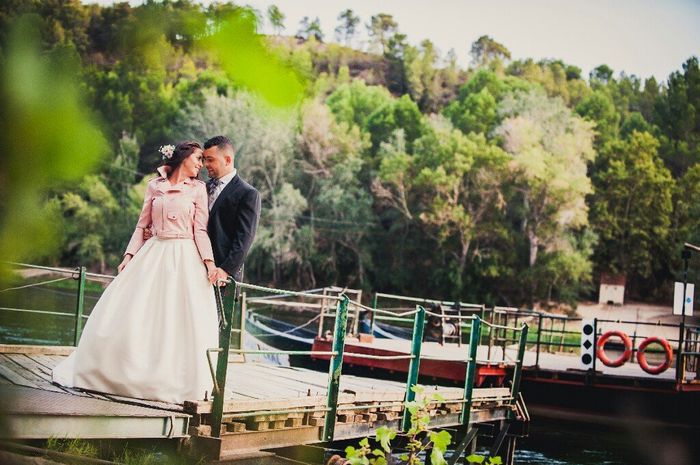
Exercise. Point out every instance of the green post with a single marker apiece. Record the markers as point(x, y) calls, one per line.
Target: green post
point(236, 320)
point(80, 306)
point(336, 367)
point(517, 374)
point(374, 314)
point(539, 339)
point(226, 304)
point(414, 366)
point(474, 337)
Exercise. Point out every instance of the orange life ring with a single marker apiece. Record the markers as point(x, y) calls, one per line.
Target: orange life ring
point(622, 359)
point(642, 358)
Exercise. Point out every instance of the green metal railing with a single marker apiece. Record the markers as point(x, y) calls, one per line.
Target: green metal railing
point(416, 316)
point(80, 275)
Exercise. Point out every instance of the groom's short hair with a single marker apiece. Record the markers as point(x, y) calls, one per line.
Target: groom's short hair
point(222, 142)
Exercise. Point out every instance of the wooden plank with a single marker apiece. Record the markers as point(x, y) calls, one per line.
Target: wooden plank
point(13, 377)
point(46, 363)
point(265, 388)
point(32, 365)
point(49, 361)
point(34, 349)
point(298, 387)
point(256, 405)
point(17, 363)
point(19, 374)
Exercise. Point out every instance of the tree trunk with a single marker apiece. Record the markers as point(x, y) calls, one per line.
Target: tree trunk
point(534, 246)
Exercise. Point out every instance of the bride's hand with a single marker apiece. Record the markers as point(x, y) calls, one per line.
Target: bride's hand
point(212, 273)
point(122, 265)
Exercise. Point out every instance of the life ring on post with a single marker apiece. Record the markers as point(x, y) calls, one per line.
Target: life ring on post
point(622, 359)
point(642, 358)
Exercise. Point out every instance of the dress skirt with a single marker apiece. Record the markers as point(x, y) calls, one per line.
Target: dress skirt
point(148, 334)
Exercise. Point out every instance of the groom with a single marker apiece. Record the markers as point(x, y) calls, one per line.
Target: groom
point(234, 209)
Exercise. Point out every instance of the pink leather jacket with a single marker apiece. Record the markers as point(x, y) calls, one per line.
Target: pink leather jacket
point(174, 212)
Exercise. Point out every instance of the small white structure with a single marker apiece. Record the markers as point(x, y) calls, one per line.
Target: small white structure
point(612, 289)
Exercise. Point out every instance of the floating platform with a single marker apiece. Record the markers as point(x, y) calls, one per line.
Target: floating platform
point(550, 383)
point(265, 407)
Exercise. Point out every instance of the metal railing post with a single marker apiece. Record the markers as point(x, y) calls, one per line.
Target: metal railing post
point(335, 369)
point(517, 373)
point(679, 357)
point(595, 343)
point(539, 338)
point(321, 320)
point(243, 317)
point(471, 370)
point(80, 306)
point(374, 314)
point(414, 366)
point(226, 304)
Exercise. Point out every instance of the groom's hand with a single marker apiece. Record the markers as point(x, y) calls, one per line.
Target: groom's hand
point(222, 276)
point(147, 233)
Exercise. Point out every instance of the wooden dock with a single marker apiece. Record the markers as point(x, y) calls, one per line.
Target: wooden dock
point(265, 406)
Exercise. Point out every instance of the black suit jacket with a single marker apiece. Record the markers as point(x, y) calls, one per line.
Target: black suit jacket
point(233, 220)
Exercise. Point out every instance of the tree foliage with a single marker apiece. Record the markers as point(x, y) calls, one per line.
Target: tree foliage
point(389, 168)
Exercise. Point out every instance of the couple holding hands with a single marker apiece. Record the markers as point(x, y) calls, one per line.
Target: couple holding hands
point(148, 334)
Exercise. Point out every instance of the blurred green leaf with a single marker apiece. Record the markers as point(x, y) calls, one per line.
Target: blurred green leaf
point(248, 62)
point(48, 137)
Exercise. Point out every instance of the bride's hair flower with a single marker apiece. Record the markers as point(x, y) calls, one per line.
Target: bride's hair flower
point(167, 151)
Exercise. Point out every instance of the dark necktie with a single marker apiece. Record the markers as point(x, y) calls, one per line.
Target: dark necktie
point(212, 184)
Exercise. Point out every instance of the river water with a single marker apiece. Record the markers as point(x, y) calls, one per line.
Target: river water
point(549, 442)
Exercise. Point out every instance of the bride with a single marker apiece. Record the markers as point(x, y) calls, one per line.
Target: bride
point(148, 334)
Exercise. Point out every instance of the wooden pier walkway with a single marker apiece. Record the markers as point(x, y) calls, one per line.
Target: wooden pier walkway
point(265, 406)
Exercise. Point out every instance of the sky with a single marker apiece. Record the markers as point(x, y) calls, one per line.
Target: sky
point(641, 37)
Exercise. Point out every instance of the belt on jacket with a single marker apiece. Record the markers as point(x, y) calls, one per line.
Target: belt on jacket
point(165, 235)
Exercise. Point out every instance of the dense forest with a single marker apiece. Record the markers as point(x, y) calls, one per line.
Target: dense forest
point(510, 182)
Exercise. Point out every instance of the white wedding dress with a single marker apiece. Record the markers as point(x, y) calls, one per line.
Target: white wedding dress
point(148, 334)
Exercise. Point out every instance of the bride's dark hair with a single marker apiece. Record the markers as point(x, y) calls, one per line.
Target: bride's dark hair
point(182, 150)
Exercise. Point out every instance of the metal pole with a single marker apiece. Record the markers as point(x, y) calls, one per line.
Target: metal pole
point(356, 323)
point(80, 306)
point(595, 343)
point(414, 366)
point(539, 337)
point(680, 361)
point(335, 369)
point(374, 306)
point(517, 375)
point(244, 316)
point(324, 302)
point(227, 304)
point(471, 371)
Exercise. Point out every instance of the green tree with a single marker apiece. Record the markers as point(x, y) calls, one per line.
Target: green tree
point(354, 103)
point(340, 209)
point(550, 147)
point(381, 29)
point(309, 29)
point(476, 108)
point(601, 75)
point(599, 109)
point(347, 27)
point(276, 18)
point(422, 77)
point(486, 50)
point(631, 208)
point(399, 113)
point(462, 181)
